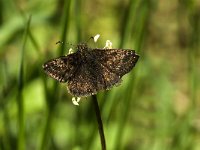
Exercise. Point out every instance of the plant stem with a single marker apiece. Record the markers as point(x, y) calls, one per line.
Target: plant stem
point(20, 100)
point(99, 121)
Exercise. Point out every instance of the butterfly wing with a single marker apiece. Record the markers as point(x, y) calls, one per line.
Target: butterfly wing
point(87, 72)
point(61, 68)
point(90, 78)
point(118, 61)
point(82, 82)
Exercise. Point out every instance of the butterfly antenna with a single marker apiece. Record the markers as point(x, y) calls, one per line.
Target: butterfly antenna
point(89, 39)
point(59, 42)
point(95, 38)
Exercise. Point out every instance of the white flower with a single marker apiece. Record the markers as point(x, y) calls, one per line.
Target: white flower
point(108, 45)
point(70, 51)
point(96, 37)
point(76, 100)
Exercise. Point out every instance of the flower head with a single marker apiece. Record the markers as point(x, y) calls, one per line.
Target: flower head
point(108, 45)
point(76, 100)
point(96, 37)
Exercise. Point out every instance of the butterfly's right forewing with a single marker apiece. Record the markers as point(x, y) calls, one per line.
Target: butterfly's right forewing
point(118, 61)
point(61, 68)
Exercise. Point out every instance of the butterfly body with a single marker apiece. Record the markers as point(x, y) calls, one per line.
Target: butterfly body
point(88, 71)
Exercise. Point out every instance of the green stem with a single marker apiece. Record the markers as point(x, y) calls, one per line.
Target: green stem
point(20, 101)
point(99, 121)
point(46, 135)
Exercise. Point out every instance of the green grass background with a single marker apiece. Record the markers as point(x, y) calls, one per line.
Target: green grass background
point(157, 106)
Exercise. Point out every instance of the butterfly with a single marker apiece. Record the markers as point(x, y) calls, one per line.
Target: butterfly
point(88, 70)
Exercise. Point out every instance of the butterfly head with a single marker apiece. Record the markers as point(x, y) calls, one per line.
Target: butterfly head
point(82, 47)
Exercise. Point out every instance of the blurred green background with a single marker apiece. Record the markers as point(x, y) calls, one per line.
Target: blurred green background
point(157, 106)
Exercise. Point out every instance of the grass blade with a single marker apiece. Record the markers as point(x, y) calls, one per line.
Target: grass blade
point(20, 101)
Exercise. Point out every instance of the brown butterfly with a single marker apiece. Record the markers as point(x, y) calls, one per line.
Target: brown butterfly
point(88, 71)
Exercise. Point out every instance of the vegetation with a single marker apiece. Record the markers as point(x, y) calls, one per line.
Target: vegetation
point(156, 107)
